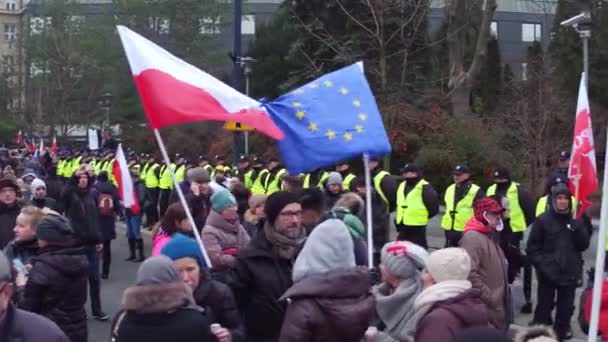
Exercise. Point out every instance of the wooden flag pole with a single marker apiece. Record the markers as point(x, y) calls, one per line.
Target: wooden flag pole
point(598, 278)
point(368, 211)
point(181, 196)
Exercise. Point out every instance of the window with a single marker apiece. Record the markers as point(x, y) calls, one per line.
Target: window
point(8, 63)
point(10, 31)
point(531, 32)
point(210, 25)
point(11, 6)
point(524, 71)
point(494, 29)
point(248, 24)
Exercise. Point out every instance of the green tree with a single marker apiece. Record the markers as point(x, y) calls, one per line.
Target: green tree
point(487, 92)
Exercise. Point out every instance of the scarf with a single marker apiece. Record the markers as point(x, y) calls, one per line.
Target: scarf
point(396, 310)
point(438, 293)
point(283, 246)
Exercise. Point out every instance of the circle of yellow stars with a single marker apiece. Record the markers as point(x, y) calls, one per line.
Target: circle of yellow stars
point(313, 127)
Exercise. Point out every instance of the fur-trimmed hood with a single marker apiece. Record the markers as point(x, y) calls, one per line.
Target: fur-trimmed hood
point(158, 298)
point(536, 333)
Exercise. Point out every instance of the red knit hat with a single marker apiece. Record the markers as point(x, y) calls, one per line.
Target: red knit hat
point(486, 205)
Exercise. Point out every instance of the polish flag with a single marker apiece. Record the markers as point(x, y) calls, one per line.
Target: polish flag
point(174, 92)
point(19, 138)
point(126, 191)
point(54, 147)
point(583, 171)
point(41, 147)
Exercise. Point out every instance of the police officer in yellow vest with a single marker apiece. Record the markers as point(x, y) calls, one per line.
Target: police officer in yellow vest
point(519, 203)
point(316, 179)
point(417, 202)
point(260, 177)
point(245, 172)
point(219, 161)
point(347, 175)
point(384, 183)
point(275, 178)
point(151, 181)
point(165, 185)
point(459, 198)
point(180, 168)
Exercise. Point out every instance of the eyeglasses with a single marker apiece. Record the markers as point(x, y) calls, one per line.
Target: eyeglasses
point(291, 213)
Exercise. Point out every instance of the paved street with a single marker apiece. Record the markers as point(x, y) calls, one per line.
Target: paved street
point(123, 274)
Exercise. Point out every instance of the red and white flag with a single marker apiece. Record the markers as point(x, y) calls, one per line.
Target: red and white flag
point(174, 92)
point(19, 138)
point(41, 147)
point(54, 147)
point(583, 171)
point(121, 173)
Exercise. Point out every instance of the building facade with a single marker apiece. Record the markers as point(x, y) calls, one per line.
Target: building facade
point(12, 14)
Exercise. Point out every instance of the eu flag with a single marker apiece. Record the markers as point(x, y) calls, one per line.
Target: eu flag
point(330, 119)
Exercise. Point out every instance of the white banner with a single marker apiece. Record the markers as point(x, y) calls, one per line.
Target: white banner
point(93, 140)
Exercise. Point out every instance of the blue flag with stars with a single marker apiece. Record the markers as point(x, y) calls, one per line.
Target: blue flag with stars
point(328, 120)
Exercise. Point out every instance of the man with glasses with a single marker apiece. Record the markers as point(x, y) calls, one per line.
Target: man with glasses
point(9, 210)
point(19, 325)
point(263, 269)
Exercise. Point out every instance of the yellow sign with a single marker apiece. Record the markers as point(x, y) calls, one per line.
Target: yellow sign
point(237, 126)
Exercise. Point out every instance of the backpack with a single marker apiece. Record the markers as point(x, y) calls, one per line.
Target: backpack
point(105, 203)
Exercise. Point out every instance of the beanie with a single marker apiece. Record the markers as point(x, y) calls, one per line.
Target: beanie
point(181, 246)
point(449, 264)
point(403, 258)
point(276, 202)
point(37, 183)
point(222, 200)
point(329, 247)
point(334, 178)
point(198, 175)
point(54, 228)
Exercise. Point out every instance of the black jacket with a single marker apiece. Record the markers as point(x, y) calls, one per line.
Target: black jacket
point(107, 224)
point(220, 306)
point(8, 217)
point(47, 202)
point(80, 207)
point(261, 278)
point(54, 187)
point(331, 198)
point(57, 289)
point(23, 326)
point(23, 251)
point(555, 247)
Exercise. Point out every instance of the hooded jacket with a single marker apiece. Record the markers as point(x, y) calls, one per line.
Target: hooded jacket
point(23, 251)
point(333, 306)
point(57, 289)
point(223, 240)
point(446, 319)
point(80, 207)
point(556, 244)
point(488, 270)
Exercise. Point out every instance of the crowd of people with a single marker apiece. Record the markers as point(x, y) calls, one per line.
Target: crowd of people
point(288, 253)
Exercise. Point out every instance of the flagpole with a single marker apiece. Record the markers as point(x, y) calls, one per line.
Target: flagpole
point(181, 196)
point(368, 211)
point(600, 255)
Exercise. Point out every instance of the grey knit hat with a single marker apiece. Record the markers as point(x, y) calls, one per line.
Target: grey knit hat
point(403, 258)
point(334, 178)
point(198, 175)
point(54, 228)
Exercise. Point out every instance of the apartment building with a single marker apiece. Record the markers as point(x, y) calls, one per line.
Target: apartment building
point(11, 55)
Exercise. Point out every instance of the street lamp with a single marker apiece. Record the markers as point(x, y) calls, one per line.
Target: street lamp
point(246, 65)
point(582, 24)
point(105, 102)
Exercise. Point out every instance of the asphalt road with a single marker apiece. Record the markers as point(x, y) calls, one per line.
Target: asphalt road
point(122, 275)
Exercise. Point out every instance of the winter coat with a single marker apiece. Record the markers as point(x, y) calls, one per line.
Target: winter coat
point(223, 240)
point(140, 193)
point(57, 289)
point(46, 202)
point(54, 187)
point(380, 220)
point(446, 319)
point(159, 313)
point(24, 326)
point(555, 247)
point(23, 251)
point(333, 306)
point(220, 306)
point(331, 198)
point(107, 224)
point(80, 207)
point(251, 223)
point(488, 270)
point(200, 206)
point(8, 217)
point(260, 279)
point(159, 241)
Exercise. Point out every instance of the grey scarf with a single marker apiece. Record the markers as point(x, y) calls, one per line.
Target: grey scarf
point(396, 310)
point(284, 246)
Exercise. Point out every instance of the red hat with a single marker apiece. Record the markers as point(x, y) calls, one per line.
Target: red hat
point(486, 205)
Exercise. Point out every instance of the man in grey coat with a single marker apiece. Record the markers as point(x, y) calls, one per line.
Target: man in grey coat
point(18, 325)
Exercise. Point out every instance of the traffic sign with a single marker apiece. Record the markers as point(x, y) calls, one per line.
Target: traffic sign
point(237, 127)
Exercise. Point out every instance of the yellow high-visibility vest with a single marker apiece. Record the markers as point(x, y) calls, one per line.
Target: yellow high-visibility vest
point(456, 217)
point(180, 173)
point(378, 185)
point(258, 186)
point(541, 205)
point(165, 182)
point(248, 179)
point(144, 172)
point(517, 217)
point(347, 180)
point(411, 210)
point(151, 180)
point(322, 179)
point(275, 184)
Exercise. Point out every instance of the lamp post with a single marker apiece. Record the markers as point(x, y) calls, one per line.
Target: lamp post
point(105, 102)
point(582, 24)
point(246, 65)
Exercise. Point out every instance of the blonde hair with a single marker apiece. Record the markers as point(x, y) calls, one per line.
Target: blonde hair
point(34, 214)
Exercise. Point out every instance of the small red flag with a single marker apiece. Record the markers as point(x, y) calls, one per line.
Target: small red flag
point(54, 147)
point(583, 171)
